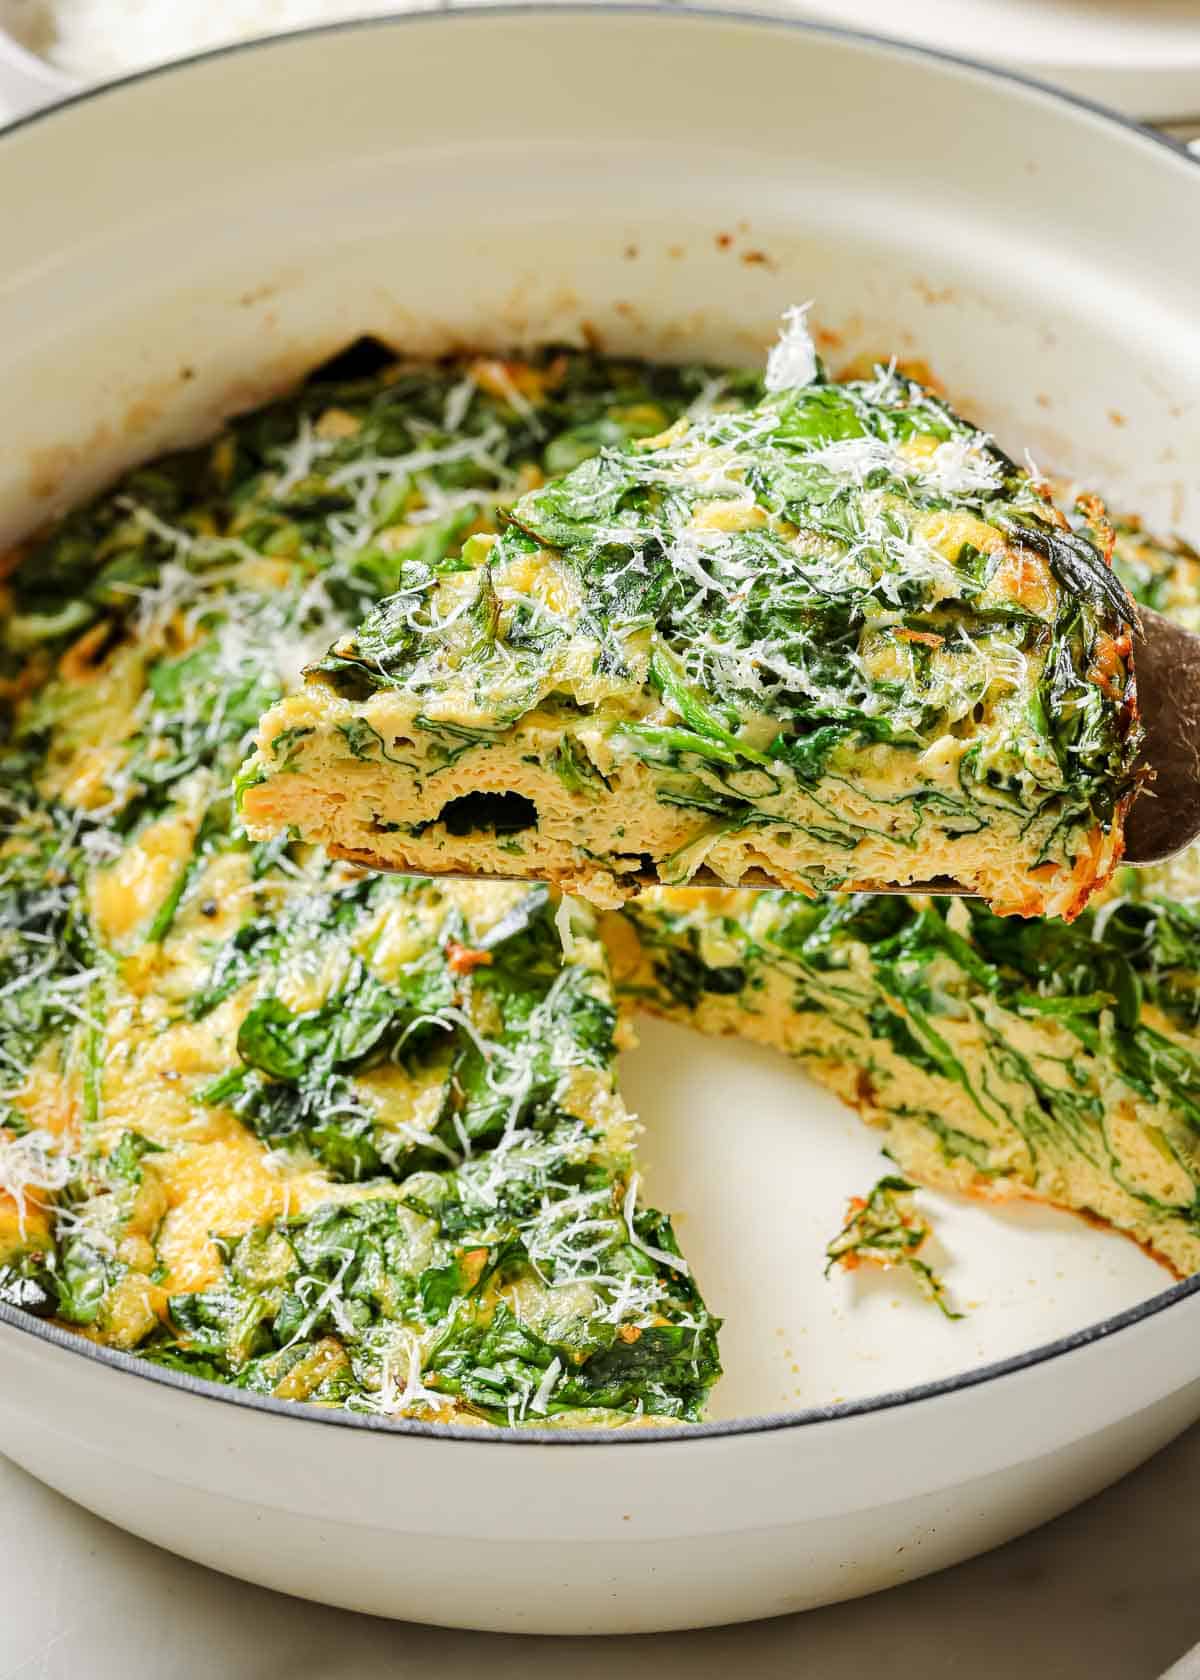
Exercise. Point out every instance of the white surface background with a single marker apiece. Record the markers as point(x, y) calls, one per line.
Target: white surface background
point(1108, 1592)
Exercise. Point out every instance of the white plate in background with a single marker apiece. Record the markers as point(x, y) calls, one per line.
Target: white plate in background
point(1142, 57)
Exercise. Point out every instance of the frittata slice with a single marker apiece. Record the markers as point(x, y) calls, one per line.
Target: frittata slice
point(411, 1190)
point(835, 640)
point(472, 1241)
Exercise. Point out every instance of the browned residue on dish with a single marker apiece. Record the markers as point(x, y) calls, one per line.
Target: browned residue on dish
point(933, 294)
point(259, 294)
point(49, 468)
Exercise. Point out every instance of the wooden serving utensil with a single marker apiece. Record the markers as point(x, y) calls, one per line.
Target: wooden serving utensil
point(1165, 815)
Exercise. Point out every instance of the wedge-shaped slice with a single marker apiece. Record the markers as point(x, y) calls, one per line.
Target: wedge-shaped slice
point(500, 1265)
point(836, 640)
point(412, 1191)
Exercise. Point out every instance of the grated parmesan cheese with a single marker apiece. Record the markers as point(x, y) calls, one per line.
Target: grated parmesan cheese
point(32, 1168)
point(545, 1388)
point(568, 907)
point(793, 361)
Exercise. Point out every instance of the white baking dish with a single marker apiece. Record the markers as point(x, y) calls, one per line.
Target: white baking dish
point(187, 242)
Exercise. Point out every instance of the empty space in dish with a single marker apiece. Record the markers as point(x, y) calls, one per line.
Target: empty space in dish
point(756, 1163)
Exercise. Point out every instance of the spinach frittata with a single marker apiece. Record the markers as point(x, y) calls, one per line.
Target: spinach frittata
point(265, 1118)
point(355, 1139)
point(832, 640)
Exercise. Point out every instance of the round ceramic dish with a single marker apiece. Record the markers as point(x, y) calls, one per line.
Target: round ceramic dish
point(186, 243)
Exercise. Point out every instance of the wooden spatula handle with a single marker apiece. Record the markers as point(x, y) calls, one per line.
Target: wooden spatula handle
point(1165, 815)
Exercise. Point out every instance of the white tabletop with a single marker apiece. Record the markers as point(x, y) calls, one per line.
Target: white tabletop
point(1107, 1592)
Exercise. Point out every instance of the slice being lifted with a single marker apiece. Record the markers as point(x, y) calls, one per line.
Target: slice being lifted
point(837, 640)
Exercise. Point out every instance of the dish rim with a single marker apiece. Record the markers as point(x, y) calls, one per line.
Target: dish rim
point(13, 1318)
point(690, 9)
point(622, 1435)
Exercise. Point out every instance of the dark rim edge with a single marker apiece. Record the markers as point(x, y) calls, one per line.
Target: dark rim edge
point(202, 1389)
point(664, 1435)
